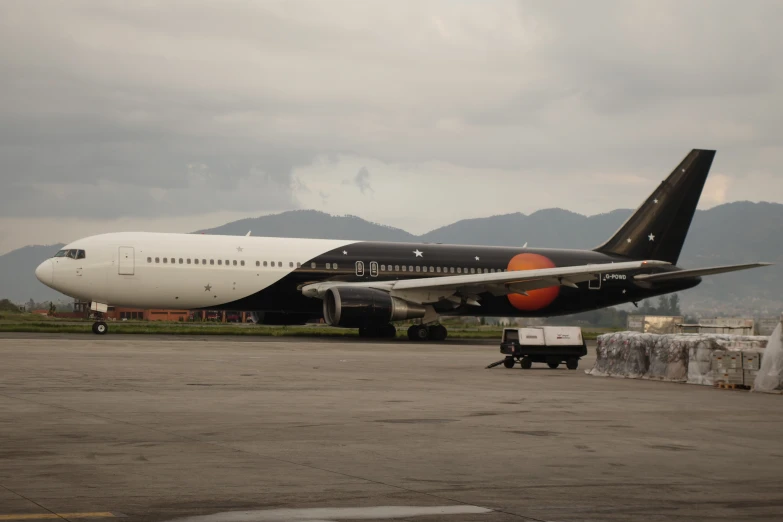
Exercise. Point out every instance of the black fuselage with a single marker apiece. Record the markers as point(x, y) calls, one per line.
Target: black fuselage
point(383, 261)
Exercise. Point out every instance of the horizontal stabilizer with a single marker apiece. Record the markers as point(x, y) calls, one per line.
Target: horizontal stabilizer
point(695, 272)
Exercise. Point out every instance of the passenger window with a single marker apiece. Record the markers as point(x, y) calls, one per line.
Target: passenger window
point(235, 262)
point(227, 262)
point(188, 260)
point(410, 268)
point(180, 261)
point(149, 260)
point(312, 265)
point(298, 264)
point(404, 268)
point(432, 269)
point(220, 261)
point(242, 263)
point(165, 260)
point(459, 270)
point(264, 263)
point(418, 268)
point(203, 261)
point(280, 264)
point(258, 263)
point(396, 268)
point(157, 260)
point(195, 261)
point(383, 268)
point(211, 261)
point(290, 264)
point(472, 270)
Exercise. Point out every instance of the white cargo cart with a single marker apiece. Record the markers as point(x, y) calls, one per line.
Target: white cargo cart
point(551, 345)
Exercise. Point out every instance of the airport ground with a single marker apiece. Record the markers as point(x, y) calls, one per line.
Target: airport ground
point(154, 428)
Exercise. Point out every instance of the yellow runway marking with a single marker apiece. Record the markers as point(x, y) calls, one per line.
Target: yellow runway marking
point(49, 516)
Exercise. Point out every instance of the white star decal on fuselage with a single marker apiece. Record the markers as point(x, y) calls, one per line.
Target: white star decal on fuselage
point(345, 252)
point(651, 237)
point(477, 258)
point(239, 249)
point(418, 253)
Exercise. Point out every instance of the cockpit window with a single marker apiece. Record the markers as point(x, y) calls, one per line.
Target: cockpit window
point(72, 253)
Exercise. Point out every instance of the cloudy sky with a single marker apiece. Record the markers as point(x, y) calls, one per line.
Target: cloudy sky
point(174, 116)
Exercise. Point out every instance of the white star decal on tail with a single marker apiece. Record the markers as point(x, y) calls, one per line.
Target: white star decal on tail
point(629, 239)
point(418, 253)
point(655, 201)
point(651, 237)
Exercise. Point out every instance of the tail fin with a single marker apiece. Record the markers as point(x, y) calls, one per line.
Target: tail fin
point(658, 228)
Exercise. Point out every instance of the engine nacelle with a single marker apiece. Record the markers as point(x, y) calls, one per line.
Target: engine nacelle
point(352, 307)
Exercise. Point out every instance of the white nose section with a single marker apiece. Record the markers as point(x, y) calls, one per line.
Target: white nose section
point(45, 272)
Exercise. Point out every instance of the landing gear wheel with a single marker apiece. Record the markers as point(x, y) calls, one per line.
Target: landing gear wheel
point(418, 332)
point(526, 363)
point(553, 365)
point(572, 364)
point(389, 331)
point(508, 362)
point(100, 328)
point(438, 332)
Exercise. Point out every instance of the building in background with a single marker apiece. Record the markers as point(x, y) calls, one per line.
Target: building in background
point(656, 324)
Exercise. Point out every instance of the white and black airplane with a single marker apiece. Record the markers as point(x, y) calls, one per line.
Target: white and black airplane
point(369, 285)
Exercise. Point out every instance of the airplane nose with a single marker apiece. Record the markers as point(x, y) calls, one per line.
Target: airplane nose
point(45, 272)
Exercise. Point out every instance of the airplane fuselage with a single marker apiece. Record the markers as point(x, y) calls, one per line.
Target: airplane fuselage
point(193, 271)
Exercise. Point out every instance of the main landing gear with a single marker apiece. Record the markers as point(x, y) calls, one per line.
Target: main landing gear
point(99, 327)
point(420, 332)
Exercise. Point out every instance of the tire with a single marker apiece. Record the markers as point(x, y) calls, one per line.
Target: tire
point(553, 365)
point(508, 362)
point(389, 331)
point(526, 363)
point(100, 328)
point(418, 332)
point(438, 333)
point(572, 364)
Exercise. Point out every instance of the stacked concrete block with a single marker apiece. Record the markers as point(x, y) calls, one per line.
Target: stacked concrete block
point(751, 363)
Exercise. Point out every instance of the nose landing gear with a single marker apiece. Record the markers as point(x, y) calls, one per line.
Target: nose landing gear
point(99, 327)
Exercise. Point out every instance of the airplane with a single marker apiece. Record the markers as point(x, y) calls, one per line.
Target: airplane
point(369, 284)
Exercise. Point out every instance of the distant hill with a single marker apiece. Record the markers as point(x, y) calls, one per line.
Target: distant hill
point(17, 275)
point(730, 233)
point(314, 225)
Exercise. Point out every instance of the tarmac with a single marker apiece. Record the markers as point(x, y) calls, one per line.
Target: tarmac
point(242, 430)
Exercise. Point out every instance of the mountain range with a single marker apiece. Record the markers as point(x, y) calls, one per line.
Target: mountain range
point(730, 233)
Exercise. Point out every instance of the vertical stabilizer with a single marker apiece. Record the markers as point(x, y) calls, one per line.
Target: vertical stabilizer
point(658, 228)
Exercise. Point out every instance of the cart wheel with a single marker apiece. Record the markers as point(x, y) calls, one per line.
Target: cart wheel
point(572, 364)
point(508, 362)
point(553, 365)
point(526, 363)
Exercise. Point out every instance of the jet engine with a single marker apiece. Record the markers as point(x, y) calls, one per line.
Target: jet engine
point(352, 307)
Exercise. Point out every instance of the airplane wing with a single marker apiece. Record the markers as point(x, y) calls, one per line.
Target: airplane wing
point(649, 279)
point(469, 286)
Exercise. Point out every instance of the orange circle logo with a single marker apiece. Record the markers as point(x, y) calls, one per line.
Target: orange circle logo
point(535, 299)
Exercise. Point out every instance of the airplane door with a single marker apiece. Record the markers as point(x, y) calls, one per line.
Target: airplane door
point(374, 269)
point(595, 283)
point(127, 261)
point(360, 268)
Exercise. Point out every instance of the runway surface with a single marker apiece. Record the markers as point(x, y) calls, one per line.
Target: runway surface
point(244, 430)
